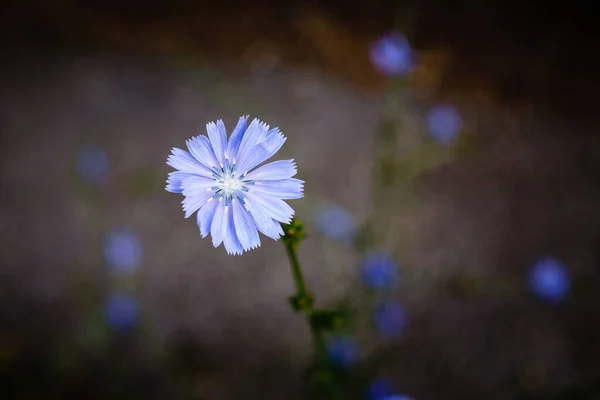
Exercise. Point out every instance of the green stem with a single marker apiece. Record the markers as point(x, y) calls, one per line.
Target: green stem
point(296, 269)
point(302, 293)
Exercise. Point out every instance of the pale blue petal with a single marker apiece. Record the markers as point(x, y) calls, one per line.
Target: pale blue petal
point(174, 181)
point(272, 207)
point(218, 139)
point(262, 150)
point(276, 170)
point(192, 203)
point(184, 162)
point(285, 189)
point(218, 225)
point(205, 216)
point(255, 134)
point(264, 223)
point(244, 226)
point(273, 142)
point(236, 137)
point(230, 240)
point(198, 185)
point(202, 151)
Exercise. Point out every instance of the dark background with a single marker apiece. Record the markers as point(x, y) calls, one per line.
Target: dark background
point(138, 78)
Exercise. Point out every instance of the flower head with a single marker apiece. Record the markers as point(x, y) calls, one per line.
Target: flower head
point(343, 351)
point(444, 123)
point(121, 311)
point(549, 279)
point(392, 54)
point(390, 319)
point(379, 270)
point(234, 201)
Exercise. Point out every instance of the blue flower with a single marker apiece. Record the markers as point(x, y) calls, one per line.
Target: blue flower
point(380, 389)
point(390, 319)
point(122, 251)
point(379, 271)
point(392, 55)
point(343, 351)
point(549, 279)
point(336, 223)
point(92, 164)
point(121, 311)
point(444, 123)
point(398, 397)
point(234, 201)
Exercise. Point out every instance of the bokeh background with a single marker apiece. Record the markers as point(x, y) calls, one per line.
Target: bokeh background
point(451, 160)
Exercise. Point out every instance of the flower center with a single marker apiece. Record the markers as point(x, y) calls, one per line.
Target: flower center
point(230, 185)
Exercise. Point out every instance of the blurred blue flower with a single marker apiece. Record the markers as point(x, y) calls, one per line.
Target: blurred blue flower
point(380, 389)
point(392, 54)
point(390, 319)
point(336, 223)
point(122, 251)
point(398, 397)
point(379, 271)
point(343, 351)
point(122, 311)
point(549, 279)
point(444, 123)
point(92, 164)
point(234, 201)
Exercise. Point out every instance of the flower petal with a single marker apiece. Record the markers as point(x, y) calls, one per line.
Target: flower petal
point(174, 181)
point(275, 170)
point(205, 216)
point(261, 149)
point(231, 241)
point(184, 162)
point(218, 225)
point(284, 189)
point(244, 226)
point(192, 203)
point(198, 185)
point(255, 134)
point(202, 151)
point(236, 137)
point(218, 139)
point(264, 223)
point(272, 207)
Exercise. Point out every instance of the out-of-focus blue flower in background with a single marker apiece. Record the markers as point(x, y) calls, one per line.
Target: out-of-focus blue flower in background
point(392, 54)
point(122, 251)
point(380, 389)
point(343, 351)
point(444, 123)
point(379, 270)
point(549, 279)
point(398, 397)
point(122, 311)
point(336, 223)
point(390, 319)
point(92, 164)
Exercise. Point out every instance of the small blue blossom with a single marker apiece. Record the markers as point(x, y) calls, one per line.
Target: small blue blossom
point(121, 311)
point(122, 251)
point(92, 164)
point(444, 123)
point(336, 223)
point(392, 55)
point(390, 319)
point(549, 279)
point(380, 389)
point(398, 397)
point(343, 351)
point(379, 271)
point(234, 201)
